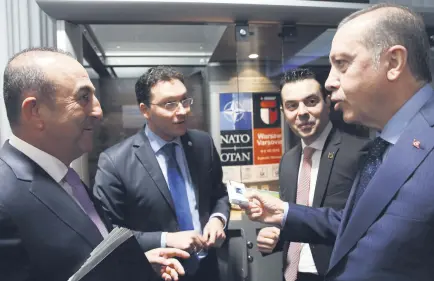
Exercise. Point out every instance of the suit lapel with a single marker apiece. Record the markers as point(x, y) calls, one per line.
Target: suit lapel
point(363, 154)
point(146, 156)
point(194, 169)
point(292, 175)
point(52, 195)
point(386, 183)
point(328, 157)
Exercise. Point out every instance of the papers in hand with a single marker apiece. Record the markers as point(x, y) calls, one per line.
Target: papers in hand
point(236, 192)
point(113, 240)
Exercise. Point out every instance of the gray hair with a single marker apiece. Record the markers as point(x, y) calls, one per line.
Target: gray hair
point(21, 78)
point(399, 26)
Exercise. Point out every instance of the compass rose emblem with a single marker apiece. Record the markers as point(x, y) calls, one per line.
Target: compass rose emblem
point(233, 111)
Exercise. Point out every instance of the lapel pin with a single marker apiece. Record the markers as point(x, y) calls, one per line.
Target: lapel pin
point(189, 143)
point(416, 143)
point(331, 155)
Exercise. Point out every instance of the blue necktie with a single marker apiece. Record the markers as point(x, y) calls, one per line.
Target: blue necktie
point(370, 167)
point(178, 190)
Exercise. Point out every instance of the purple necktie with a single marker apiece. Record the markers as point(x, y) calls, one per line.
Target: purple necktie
point(80, 194)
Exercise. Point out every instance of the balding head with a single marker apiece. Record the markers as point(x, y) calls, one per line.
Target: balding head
point(387, 25)
point(26, 73)
point(51, 103)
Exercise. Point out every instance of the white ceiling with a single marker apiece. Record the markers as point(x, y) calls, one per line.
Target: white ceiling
point(158, 40)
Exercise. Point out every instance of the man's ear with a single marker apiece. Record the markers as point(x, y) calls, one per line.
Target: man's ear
point(31, 112)
point(145, 110)
point(396, 61)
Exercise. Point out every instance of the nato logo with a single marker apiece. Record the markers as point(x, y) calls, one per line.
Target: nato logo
point(235, 112)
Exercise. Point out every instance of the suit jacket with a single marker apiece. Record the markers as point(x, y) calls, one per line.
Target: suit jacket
point(44, 234)
point(131, 186)
point(390, 236)
point(337, 170)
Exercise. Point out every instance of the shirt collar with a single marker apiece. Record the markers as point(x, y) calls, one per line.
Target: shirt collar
point(318, 144)
point(396, 125)
point(156, 142)
point(53, 166)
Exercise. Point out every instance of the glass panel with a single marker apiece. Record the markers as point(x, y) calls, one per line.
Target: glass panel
point(244, 72)
point(259, 70)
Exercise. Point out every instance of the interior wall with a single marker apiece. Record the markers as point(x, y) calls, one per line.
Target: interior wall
point(22, 25)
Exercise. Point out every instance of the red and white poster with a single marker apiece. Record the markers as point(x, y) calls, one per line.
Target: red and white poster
point(267, 130)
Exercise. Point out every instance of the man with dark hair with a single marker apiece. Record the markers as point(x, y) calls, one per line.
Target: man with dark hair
point(318, 172)
point(380, 77)
point(49, 223)
point(165, 182)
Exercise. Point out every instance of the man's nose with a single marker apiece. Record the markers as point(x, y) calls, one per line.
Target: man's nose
point(96, 109)
point(302, 109)
point(181, 110)
point(332, 82)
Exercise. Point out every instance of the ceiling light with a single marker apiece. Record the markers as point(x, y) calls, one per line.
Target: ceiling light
point(118, 47)
point(253, 56)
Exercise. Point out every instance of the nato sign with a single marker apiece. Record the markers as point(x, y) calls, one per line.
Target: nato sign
point(250, 129)
point(236, 129)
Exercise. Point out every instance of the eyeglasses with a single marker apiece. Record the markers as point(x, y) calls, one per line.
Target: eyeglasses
point(174, 105)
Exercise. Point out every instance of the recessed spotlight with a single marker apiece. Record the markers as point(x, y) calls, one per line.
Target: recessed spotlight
point(253, 56)
point(118, 47)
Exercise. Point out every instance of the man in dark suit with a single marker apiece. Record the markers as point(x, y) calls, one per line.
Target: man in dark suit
point(165, 182)
point(326, 156)
point(380, 77)
point(48, 222)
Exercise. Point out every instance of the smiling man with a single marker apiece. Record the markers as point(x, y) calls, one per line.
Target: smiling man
point(318, 172)
point(165, 182)
point(49, 221)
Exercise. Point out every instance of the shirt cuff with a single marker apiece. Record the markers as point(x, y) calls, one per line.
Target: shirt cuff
point(220, 215)
point(163, 239)
point(285, 213)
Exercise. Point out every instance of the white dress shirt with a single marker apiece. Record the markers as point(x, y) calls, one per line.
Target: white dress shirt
point(50, 164)
point(307, 263)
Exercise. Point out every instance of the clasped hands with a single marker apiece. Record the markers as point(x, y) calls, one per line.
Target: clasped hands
point(181, 245)
point(193, 242)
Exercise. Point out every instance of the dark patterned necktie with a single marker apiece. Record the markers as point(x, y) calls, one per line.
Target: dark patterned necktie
point(370, 167)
